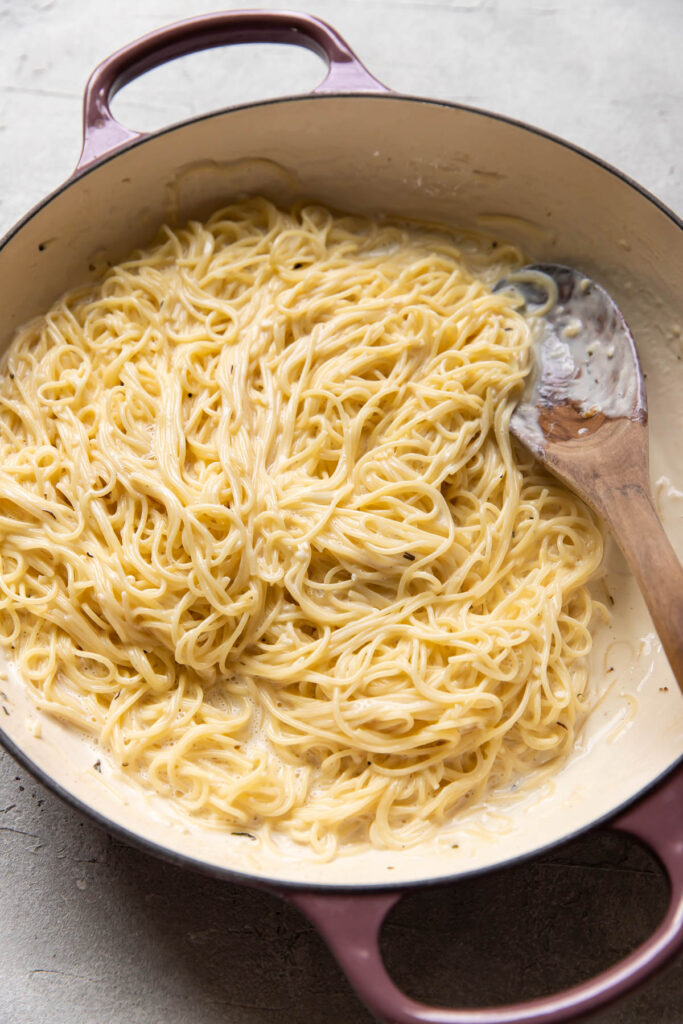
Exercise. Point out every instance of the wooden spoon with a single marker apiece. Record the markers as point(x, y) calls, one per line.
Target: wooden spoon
point(584, 415)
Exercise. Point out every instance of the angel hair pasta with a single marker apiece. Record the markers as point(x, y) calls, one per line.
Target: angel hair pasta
point(263, 533)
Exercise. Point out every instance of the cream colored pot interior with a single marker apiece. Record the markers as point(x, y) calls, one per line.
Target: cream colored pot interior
point(408, 157)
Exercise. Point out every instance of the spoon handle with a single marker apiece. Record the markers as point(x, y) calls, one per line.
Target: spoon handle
point(613, 478)
point(654, 564)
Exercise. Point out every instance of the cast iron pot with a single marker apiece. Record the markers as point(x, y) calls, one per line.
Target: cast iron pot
point(355, 145)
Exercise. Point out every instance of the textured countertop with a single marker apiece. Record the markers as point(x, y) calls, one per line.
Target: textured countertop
point(94, 932)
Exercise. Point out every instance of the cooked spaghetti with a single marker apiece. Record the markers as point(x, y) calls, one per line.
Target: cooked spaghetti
point(263, 533)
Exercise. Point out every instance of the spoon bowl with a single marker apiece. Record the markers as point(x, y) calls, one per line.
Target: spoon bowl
point(586, 365)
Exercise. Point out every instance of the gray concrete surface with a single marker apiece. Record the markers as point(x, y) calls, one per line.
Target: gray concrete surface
point(93, 932)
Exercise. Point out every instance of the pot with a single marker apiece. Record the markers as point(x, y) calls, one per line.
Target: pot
point(355, 145)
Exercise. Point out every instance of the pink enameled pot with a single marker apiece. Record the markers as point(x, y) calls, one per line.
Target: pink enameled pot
point(354, 144)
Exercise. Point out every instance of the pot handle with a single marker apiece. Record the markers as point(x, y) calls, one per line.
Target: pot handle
point(102, 133)
point(351, 924)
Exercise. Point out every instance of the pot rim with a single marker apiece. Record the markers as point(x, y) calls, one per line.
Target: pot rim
point(142, 139)
point(166, 853)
